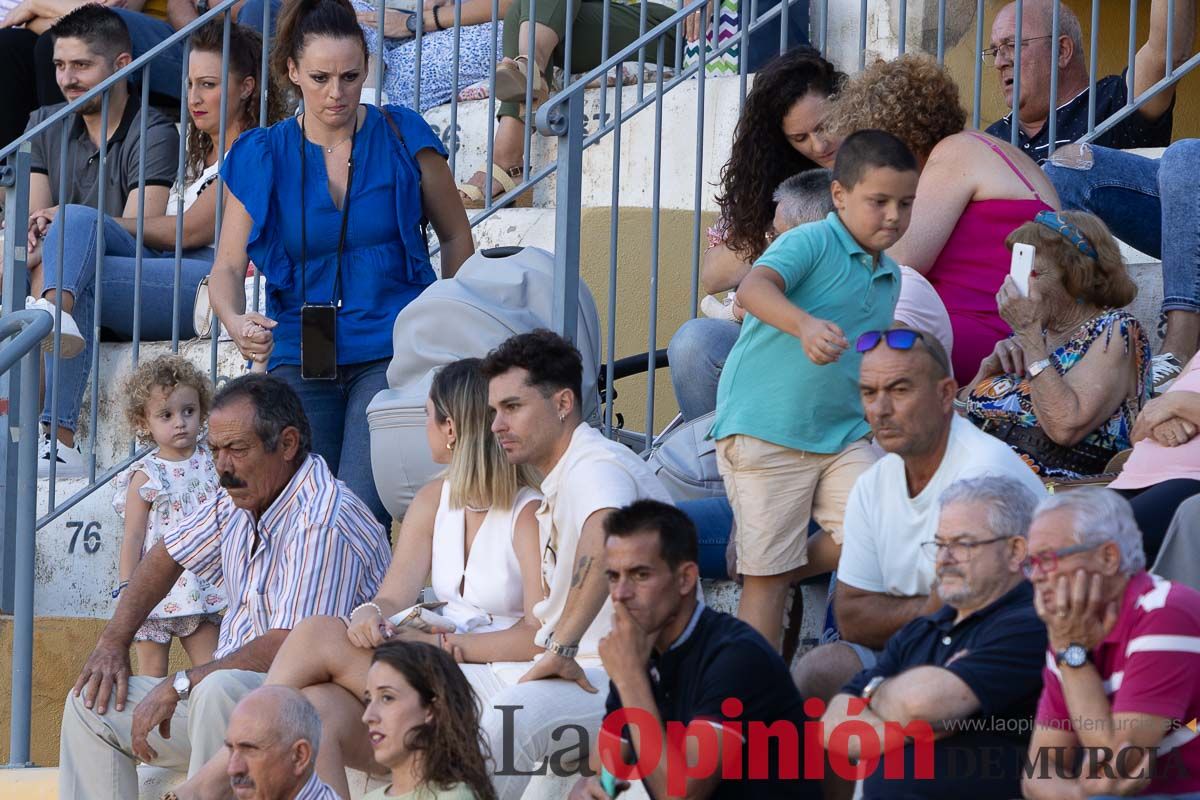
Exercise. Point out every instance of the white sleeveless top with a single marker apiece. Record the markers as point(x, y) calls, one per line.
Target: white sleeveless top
point(492, 596)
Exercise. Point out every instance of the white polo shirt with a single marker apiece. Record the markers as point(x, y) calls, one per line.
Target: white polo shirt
point(884, 527)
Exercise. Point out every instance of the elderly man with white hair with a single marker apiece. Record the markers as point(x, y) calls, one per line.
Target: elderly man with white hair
point(1120, 684)
point(967, 674)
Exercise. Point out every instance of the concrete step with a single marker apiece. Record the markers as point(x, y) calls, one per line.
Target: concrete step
point(678, 142)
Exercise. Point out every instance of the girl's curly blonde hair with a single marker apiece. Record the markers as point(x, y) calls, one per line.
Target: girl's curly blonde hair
point(166, 372)
point(910, 97)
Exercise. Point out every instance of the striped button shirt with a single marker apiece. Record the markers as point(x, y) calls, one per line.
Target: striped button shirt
point(1148, 662)
point(315, 789)
point(319, 551)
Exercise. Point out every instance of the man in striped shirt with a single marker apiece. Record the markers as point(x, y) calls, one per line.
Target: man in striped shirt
point(1120, 678)
point(285, 538)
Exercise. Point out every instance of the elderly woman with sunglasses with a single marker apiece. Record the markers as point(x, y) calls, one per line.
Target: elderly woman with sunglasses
point(1064, 390)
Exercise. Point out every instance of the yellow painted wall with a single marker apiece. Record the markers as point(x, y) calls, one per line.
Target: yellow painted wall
point(633, 291)
point(60, 647)
point(1112, 49)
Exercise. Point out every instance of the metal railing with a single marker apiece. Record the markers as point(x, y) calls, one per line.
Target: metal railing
point(562, 118)
point(26, 329)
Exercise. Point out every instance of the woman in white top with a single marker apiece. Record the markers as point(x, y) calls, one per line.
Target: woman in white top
point(76, 227)
point(473, 530)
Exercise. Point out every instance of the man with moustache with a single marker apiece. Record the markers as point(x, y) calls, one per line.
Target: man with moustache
point(285, 538)
point(273, 737)
point(971, 671)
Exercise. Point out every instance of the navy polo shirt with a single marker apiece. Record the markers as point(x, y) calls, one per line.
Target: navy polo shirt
point(1072, 119)
point(999, 652)
point(718, 657)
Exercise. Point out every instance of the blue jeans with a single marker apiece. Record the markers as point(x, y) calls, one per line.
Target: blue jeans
point(697, 353)
point(1150, 204)
point(166, 72)
point(337, 414)
point(713, 518)
point(76, 228)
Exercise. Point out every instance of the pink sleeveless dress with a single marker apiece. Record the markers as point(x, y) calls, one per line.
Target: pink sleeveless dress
point(972, 266)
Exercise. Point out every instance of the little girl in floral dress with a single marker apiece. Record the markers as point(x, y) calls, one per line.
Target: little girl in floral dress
point(167, 403)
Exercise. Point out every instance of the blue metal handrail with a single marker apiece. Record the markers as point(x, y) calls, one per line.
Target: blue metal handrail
point(28, 329)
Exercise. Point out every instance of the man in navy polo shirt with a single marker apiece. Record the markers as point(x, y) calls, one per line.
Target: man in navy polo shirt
point(1149, 126)
point(672, 663)
point(971, 670)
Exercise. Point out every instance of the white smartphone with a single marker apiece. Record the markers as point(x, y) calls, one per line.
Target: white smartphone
point(1021, 266)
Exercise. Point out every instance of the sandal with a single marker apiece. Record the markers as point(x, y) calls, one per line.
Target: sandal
point(512, 77)
point(472, 195)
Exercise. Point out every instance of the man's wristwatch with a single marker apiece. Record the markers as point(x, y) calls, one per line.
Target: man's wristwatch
point(1038, 367)
point(870, 688)
point(182, 684)
point(1074, 656)
point(565, 651)
point(411, 24)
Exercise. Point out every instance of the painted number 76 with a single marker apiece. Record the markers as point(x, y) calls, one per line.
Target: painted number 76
point(91, 536)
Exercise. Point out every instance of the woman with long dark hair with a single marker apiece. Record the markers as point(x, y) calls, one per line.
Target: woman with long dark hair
point(423, 721)
point(780, 133)
point(331, 205)
point(75, 276)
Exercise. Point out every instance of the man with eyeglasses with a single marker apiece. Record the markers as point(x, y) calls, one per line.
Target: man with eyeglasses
point(1149, 126)
point(1120, 679)
point(971, 670)
point(883, 579)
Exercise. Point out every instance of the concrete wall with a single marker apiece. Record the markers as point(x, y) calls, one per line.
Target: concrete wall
point(61, 645)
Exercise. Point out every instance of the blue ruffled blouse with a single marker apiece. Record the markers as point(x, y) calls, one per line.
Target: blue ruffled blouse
point(385, 263)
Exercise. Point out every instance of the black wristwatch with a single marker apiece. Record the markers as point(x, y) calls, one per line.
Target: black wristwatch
point(1074, 656)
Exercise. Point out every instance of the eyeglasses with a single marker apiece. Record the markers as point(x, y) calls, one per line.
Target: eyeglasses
point(1047, 562)
point(959, 550)
point(1005, 50)
point(901, 339)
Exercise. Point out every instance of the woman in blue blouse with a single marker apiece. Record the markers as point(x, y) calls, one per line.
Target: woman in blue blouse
point(331, 207)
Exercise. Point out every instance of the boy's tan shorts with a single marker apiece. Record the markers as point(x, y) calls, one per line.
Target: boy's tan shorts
point(774, 490)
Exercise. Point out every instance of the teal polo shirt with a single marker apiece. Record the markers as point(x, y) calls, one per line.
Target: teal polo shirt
point(769, 388)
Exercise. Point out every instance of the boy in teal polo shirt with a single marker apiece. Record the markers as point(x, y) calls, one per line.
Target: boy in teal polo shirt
point(790, 431)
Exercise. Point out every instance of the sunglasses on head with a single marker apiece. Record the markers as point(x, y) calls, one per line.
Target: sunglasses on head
point(896, 339)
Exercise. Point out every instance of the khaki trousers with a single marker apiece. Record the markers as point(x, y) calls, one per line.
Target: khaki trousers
point(96, 760)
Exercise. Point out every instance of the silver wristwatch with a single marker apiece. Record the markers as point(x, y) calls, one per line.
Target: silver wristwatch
point(869, 690)
point(182, 684)
point(565, 651)
point(1038, 367)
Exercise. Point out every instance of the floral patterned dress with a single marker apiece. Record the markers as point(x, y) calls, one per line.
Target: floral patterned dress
point(1007, 399)
point(174, 489)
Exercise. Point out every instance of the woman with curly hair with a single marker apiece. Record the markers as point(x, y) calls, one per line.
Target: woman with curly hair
point(423, 724)
point(781, 133)
point(974, 191)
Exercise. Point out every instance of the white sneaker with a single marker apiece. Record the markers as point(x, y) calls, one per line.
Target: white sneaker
point(716, 308)
point(70, 459)
point(72, 339)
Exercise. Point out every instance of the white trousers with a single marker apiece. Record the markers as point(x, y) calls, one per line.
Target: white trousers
point(96, 759)
point(537, 726)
